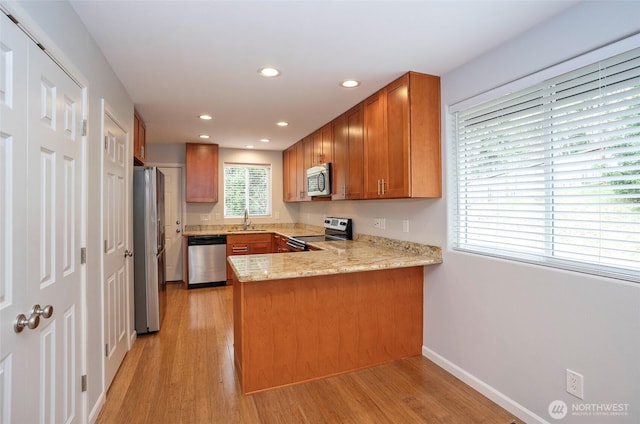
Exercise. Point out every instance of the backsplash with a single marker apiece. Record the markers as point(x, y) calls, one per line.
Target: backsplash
point(269, 226)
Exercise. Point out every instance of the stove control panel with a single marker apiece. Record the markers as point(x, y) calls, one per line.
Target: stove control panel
point(336, 223)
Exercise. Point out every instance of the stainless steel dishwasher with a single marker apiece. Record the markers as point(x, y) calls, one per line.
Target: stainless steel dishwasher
point(207, 260)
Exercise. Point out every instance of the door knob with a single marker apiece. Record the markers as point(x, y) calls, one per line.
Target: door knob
point(22, 321)
point(177, 222)
point(128, 253)
point(177, 230)
point(45, 312)
point(34, 319)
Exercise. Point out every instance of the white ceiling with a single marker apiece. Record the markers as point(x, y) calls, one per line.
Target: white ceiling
point(179, 59)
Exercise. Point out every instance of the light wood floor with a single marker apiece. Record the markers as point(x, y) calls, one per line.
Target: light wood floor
point(185, 374)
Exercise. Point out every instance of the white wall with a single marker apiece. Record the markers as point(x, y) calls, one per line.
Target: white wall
point(281, 212)
point(63, 33)
point(512, 329)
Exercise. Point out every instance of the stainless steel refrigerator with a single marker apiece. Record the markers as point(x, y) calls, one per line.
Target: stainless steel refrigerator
point(148, 248)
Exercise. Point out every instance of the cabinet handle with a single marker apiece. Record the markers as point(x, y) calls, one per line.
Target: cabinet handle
point(383, 186)
point(243, 249)
point(378, 187)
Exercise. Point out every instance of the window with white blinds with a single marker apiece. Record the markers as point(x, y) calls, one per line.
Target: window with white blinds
point(247, 187)
point(551, 174)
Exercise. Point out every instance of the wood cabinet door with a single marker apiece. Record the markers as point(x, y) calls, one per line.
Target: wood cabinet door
point(355, 159)
point(261, 247)
point(297, 172)
point(340, 163)
point(201, 167)
point(326, 143)
point(139, 139)
point(142, 147)
point(316, 155)
point(285, 176)
point(375, 145)
point(136, 136)
point(306, 163)
point(289, 174)
point(397, 139)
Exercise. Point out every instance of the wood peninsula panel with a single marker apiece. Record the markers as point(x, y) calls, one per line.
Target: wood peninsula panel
point(294, 330)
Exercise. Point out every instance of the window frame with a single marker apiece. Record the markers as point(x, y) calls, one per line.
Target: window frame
point(596, 56)
point(268, 167)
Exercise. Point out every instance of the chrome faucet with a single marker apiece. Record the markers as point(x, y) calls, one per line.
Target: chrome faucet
point(245, 221)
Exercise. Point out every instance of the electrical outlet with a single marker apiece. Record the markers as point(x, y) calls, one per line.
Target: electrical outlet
point(575, 384)
point(204, 217)
point(379, 223)
point(277, 215)
point(217, 216)
point(405, 226)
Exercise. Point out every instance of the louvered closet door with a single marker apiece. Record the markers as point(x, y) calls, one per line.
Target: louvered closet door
point(41, 224)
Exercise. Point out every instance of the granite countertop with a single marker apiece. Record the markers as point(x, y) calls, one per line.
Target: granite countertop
point(365, 253)
point(287, 230)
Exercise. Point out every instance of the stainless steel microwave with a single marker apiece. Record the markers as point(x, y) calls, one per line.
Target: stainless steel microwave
point(319, 180)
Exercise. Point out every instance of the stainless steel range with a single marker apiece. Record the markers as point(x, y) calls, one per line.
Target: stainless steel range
point(334, 229)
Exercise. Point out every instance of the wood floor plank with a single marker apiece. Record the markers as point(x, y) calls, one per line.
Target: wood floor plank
point(185, 374)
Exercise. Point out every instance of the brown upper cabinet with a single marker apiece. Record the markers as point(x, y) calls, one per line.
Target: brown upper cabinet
point(305, 161)
point(347, 171)
point(385, 147)
point(201, 166)
point(322, 145)
point(290, 177)
point(402, 139)
point(139, 139)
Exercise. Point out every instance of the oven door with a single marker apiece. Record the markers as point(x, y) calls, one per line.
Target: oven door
point(296, 245)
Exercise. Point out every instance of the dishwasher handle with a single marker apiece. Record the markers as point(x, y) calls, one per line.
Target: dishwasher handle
point(206, 240)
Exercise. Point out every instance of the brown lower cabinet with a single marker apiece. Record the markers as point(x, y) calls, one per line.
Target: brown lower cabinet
point(280, 244)
point(246, 244)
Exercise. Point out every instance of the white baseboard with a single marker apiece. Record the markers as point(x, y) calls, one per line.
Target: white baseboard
point(97, 407)
point(500, 398)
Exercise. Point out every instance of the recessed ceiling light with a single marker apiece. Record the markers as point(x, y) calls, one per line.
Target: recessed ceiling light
point(269, 72)
point(265, 140)
point(249, 146)
point(350, 83)
point(282, 124)
point(205, 136)
point(206, 117)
